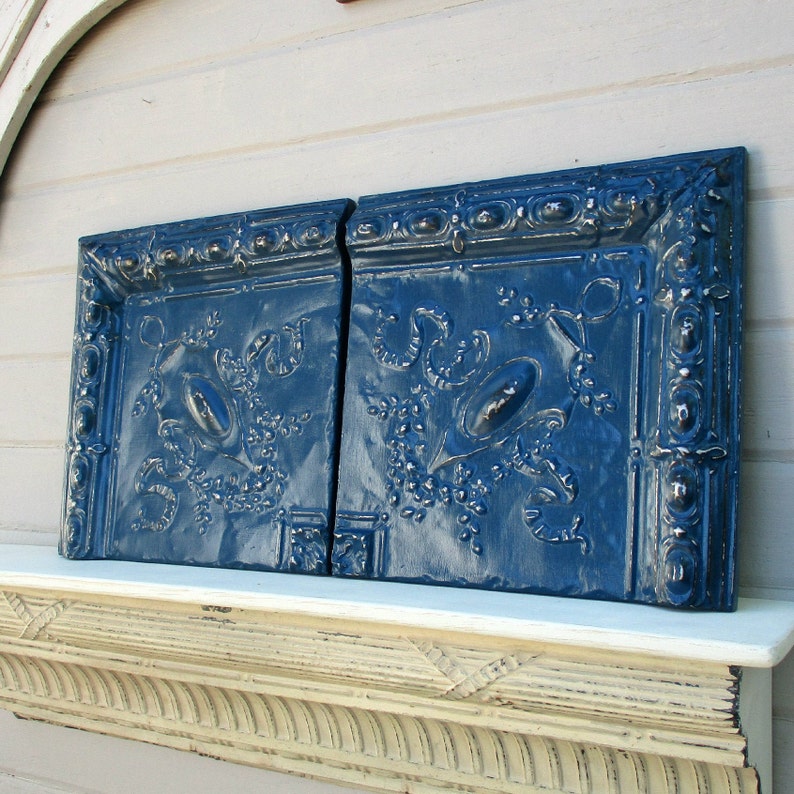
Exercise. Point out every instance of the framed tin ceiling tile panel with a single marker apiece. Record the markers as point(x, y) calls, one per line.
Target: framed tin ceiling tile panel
point(542, 388)
point(204, 416)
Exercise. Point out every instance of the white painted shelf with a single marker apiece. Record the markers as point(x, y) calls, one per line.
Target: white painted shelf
point(759, 634)
point(389, 685)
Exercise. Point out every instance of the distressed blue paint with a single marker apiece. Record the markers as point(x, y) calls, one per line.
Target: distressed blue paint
point(542, 389)
point(204, 413)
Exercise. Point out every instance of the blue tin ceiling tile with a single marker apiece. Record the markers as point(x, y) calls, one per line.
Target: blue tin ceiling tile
point(542, 388)
point(204, 391)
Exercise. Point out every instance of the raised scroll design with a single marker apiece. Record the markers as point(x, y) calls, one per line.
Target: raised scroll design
point(496, 408)
point(443, 368)
point(219, 436)
point(575, 216)
point(220, 249)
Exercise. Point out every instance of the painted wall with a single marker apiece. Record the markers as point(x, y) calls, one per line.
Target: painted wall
point(172, 109)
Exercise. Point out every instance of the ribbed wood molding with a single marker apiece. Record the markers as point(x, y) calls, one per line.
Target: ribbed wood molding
point(411, 706)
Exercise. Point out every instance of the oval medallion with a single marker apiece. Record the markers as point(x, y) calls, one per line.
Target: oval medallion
point(685, 411)
point(206, 406)
point(501, 397)
point(686, 332)
point(679, 573)
point(682, 490)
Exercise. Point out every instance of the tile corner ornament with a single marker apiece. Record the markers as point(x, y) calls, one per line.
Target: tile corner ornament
point(542, 385)
point(541, 389)
point(203, 421)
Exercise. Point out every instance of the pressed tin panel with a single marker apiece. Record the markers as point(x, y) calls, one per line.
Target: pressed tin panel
point(542, 384)
point(203, 421)
point(577, 280)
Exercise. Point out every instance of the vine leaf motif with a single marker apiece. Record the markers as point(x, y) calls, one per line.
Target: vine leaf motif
point(35, 625)
point(496, 402)
point(211, 412)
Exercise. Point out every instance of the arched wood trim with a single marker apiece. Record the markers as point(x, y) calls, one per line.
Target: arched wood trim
point(34, 36)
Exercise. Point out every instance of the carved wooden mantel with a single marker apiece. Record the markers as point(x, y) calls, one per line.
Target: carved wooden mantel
point(394, 687)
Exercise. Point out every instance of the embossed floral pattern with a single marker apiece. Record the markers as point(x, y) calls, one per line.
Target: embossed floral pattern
point(221, 412)
point(500, 429)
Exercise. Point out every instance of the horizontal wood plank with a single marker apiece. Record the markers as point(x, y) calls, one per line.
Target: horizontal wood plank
point(25, 304)
point(35, 401)
point(768, 276)
point(768, 424)
point(766, 504)
point(259, 108)
point(30, 536)
point(493, 145)
point(31, 488)
point(499, 48)
point(113, 53)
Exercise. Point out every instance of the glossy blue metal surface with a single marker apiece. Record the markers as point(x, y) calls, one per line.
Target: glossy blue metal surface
point(204, 417)
point(542, 387)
